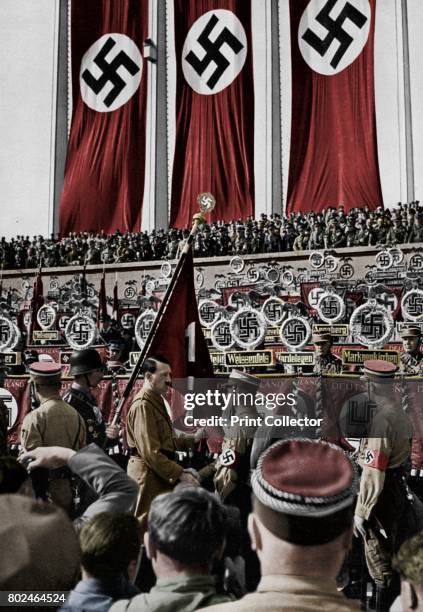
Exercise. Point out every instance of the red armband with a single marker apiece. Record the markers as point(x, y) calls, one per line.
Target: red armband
point(375, 459)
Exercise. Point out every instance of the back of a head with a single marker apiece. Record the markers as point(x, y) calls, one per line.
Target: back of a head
point(409, 560)
point(188, 525)
point(304, 491)
point(40, 550)
point(109, 542)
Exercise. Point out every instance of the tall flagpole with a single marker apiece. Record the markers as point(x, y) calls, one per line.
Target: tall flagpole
point(206, 202)
point(409, 152)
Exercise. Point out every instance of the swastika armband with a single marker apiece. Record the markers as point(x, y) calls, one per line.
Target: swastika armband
point(375, 459)
point(228, 458)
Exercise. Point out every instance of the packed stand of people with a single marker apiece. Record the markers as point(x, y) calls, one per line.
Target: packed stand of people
point(331, 229)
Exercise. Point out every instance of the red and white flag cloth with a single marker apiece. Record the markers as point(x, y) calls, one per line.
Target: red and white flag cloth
point(179, 336)
point(333, 154)
point(214, 148)
point(104, 176)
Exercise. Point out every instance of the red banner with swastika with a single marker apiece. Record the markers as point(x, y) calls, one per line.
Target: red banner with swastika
point(104, 176)
point(214, 148)
point(333, 155)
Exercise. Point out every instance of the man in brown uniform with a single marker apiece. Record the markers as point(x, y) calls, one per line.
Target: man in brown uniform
point(152, 440)
point(53, 423)
point(382, 497)
point(412, 357)
point(325, 362)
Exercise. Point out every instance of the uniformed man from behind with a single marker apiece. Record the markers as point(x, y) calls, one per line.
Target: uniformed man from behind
point(412, 357)
point(382, 498)
point(53, 423)
point(325, 362)
point(87, 368)
point(152, 440)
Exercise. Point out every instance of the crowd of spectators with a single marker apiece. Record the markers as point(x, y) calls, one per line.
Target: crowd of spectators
point(333, 228)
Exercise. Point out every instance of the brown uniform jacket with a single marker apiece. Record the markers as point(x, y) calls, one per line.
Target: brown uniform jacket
point(55, 423)
point(387, 447)
point(291, 594)
point(151, 437)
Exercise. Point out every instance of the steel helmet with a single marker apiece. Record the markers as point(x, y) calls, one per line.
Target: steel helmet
point(85, 361)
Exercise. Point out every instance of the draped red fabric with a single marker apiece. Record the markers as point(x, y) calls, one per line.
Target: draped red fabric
point(180, 327)
point(104, 176)
point(333, 154)
point(214, 148)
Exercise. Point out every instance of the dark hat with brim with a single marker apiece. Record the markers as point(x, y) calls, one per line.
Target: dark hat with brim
point(411, 332)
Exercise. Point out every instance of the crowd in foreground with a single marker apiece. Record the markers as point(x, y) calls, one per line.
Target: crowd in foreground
point(331, 229)
point(268, 532)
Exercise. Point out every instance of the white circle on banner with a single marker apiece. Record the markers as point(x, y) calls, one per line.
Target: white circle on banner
point(330, 307)
point(80, 332)
point(384, 260)
point(208, 312)
point(143, 326)
point(248, 327)
point(11, 407)
point(46, 316)
point(273, 310)
point(221, 335)
point(333, 33)
point(316, 259)
point(7, 333)
point(214, 51)
point(110, 72)
point(127, 320)
point(412, 305)
point(295, 332)
point(372, 324)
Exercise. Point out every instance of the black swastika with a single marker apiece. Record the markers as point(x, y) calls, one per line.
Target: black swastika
point(335, 30)
point(373, 326)
point(80, 332)
point(330, 308)
point(414, 305)
point(208, 312)
point(222, 334)
point(295, 333)
point(110, 73)
point(248, 328)
point(213, 53)
point(274, 311)
point(227, 458)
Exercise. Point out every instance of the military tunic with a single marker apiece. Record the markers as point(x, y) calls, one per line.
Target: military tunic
point(412, 363)
point(381, 499)
point(85, 404)
point(54, 423)
point(152, 441)
point(4, 421)
point(327, 364)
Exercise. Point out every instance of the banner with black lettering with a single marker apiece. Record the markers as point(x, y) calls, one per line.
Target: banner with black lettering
point(214, 148)
point(333, 154)
point(104, 176)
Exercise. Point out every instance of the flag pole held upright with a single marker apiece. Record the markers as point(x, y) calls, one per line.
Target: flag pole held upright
point(206, 203)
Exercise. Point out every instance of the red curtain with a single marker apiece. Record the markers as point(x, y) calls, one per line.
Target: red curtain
point(333, 155)
point(104, 176)
point(214, 149)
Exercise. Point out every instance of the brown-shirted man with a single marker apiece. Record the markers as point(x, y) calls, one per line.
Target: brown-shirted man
point(152, 439)
point(53, 423)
